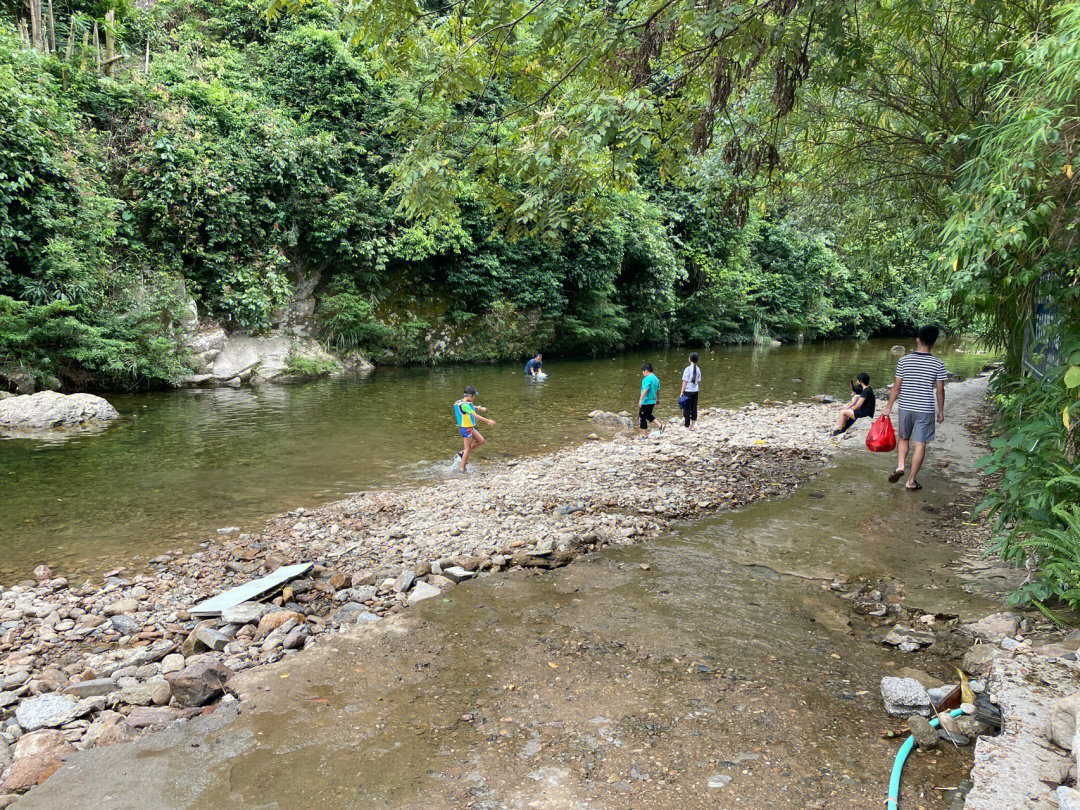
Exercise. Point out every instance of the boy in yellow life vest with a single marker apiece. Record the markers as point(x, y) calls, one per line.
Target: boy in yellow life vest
point(467, 413)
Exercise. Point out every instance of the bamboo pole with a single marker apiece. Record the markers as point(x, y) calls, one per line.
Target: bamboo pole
point(110, 42)
point(52, 30)
point(71, 39)
point(97, 49)
point(24, 34)
point(85, 50)
point(35, 31)
point(146, 66)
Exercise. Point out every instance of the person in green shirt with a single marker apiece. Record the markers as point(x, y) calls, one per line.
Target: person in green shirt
point(650, 389)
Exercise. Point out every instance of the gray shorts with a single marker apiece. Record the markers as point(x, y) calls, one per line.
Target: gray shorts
point(915, 425)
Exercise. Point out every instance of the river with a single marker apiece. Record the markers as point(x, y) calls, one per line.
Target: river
point(180, 465)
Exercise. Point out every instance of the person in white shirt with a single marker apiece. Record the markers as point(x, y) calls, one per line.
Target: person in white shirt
point(688, 394)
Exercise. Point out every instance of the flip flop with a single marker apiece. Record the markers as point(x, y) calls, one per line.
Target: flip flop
point(917, 486)
point(896, 476)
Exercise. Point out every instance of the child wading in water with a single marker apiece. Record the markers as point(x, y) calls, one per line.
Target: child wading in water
point(466, 414)
point(650, 388)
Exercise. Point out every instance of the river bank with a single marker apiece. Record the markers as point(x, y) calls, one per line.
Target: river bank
point(91, 661)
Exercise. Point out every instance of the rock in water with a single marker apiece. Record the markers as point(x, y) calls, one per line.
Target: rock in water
point(611, 420)
point(46, 711)
point(46, 410)
point(904, 697)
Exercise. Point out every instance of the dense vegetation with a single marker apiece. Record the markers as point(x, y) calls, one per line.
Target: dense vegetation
point(249, 156)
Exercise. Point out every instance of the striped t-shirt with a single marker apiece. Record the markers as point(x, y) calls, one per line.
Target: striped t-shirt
point(919, 372)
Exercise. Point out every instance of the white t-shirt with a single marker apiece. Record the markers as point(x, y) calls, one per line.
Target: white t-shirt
point(691, 376)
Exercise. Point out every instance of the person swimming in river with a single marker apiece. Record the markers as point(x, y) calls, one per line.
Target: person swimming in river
point(534, 369)
point(466, 412)
point(863, 403)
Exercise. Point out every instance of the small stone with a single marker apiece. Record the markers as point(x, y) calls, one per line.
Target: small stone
point(925, 735)
point(245, 613)
point(122, 606)
point(457, 574)
point(953, 737)
point(160, 693)
point(211, 639)
point(91, 688)
point(147, 716)
point(901, 635)
point(422, 591)
point(347, 614)
point(275, 619)
point(46, 711)
point(199, 683)
point(125, 625)
point(404, 581)
point(42, 573)
point(1068, 798)
point(295, 638)
point(173, 662)
point(969, 726)
point(978, 659)
point(904, 696)
point(717, 781)
point(993, 627)
point(108, 728)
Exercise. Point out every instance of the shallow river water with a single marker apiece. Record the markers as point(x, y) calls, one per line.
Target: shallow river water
point(179, 465)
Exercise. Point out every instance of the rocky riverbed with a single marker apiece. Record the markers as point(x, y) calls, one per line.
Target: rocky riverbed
point(103, 661)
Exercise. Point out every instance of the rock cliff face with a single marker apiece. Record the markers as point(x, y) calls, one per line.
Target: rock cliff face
point(31, 415)
point(223, 359)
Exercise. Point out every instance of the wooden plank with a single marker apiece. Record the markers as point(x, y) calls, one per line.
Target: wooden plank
point(248, 591)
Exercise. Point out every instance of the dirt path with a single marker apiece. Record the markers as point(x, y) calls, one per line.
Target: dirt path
point(708, 668)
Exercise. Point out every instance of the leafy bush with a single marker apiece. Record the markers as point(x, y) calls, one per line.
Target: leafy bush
point(348, 320)
point(1038, 460)
point(303, 366)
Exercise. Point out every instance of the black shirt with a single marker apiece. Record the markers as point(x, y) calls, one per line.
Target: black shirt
point(869, 402)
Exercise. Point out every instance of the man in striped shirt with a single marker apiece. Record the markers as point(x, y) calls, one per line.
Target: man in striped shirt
point(919, 391)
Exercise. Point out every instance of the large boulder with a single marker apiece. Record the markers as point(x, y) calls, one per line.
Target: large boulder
point(199, 683)
point(48, 410)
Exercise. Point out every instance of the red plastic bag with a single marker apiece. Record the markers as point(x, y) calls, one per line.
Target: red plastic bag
point(881, 438)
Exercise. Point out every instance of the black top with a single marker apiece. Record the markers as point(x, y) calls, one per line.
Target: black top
point(869, 402)
point(533, 364)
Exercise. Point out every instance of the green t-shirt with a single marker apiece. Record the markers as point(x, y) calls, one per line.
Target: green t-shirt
point(650, 387)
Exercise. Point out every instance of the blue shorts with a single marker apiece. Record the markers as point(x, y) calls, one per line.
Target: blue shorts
point(465, 432)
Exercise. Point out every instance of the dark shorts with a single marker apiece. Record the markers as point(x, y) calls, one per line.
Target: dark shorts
point(645, 415)
point(915, 425)
point(465, 432)
point(861, 412)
